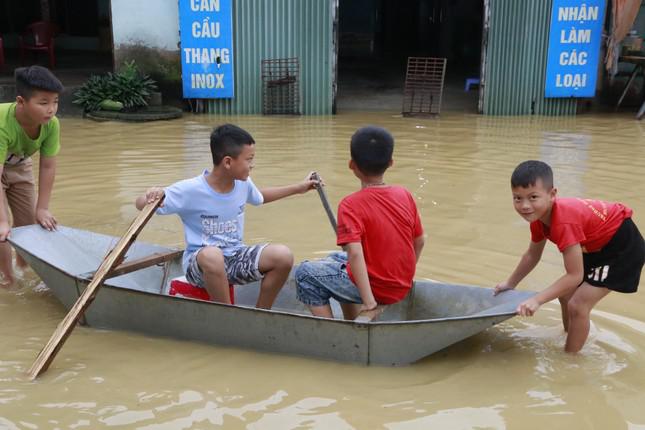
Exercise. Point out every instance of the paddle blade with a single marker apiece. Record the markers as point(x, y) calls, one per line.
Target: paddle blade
point(111, 260)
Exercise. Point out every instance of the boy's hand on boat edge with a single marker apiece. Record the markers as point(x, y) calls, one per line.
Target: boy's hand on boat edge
point(501, 287)
point(528, 307)
point(5, 230)
point(366, 307)
point(46, 219)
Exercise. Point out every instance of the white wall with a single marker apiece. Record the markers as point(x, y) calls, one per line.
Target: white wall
point(153, 23)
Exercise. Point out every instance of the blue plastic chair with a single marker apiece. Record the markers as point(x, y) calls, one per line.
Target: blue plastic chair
point(471, 82)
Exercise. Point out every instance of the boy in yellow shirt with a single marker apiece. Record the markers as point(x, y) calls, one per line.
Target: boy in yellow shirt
point(27, 126)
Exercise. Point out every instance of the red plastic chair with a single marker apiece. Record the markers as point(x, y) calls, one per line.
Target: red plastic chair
point(39, 36)
point(1, 54)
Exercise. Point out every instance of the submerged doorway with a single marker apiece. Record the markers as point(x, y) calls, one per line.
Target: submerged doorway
point(377, 36)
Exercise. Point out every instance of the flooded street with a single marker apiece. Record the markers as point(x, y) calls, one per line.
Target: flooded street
point(511, 376)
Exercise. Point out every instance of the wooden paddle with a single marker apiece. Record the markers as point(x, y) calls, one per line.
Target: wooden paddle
point(364, 316)
point(111, 260)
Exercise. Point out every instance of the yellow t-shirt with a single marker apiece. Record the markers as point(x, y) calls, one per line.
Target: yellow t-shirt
point(15, 145)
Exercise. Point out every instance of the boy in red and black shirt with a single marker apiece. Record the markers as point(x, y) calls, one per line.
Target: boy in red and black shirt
point(602, 248)
point(380, 230)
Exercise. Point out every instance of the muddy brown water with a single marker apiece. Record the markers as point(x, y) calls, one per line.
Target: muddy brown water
point(511, 376)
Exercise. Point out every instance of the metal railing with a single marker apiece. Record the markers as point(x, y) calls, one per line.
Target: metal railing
point(280, 86)
point(424, 80)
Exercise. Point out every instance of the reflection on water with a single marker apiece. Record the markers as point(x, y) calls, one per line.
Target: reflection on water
point(459, 419)
point(512, 376)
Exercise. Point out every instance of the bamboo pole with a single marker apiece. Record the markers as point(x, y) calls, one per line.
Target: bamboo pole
point(111, 260)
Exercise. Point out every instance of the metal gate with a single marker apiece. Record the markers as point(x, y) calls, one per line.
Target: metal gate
point(280, 89)
point(423, 86)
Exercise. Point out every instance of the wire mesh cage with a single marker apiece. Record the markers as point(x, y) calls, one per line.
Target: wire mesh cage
point(424, 80)
point(280, 86)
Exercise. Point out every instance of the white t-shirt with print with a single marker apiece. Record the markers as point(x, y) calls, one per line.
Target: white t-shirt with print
point(210, 218)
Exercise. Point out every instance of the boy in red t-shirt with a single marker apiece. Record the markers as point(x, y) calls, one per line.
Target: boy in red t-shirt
point(601, 247)
point(380, 230)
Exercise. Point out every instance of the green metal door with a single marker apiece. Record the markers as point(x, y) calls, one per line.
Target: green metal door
point(269, 29)
point(515, 60)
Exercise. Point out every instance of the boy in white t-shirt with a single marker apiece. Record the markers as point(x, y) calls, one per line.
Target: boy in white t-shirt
point(211, 208)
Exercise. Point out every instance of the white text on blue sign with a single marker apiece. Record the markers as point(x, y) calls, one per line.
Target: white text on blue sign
point(574, 43)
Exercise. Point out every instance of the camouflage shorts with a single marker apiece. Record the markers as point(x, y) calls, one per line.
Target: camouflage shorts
point(241, 267)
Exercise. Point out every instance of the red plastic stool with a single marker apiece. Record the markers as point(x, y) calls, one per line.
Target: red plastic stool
point(182, 288)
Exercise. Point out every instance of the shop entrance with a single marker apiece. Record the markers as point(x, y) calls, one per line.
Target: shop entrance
point(376, 37)
point(83, 43)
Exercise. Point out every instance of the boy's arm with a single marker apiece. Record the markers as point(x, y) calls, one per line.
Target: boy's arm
point(419, 242)
point(149, 196)
point(356, 261)
point(276, 193)
point(566, 284)
point(4, 222)
point(46, 175)
point(527, 263)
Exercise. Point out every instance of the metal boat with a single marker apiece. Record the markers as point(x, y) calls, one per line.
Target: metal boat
point(433, 316)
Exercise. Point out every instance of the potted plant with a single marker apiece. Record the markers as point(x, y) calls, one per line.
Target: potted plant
point(127, 89)
point(123, 95)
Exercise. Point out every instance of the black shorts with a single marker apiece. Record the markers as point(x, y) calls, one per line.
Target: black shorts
point(618, 265)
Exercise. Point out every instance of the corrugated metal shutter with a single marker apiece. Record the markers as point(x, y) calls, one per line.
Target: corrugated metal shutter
point(266, 29)
point(518, 41)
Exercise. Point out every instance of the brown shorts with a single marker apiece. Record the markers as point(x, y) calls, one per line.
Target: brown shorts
point(20, 192)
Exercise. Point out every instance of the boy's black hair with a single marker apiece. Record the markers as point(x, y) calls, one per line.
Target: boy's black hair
point(36, 78)
point(528, 172)
point(228, 140)
point(371, 149)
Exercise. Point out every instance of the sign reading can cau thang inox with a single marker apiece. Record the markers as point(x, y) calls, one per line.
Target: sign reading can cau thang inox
point(206, 34)
point(574, 45)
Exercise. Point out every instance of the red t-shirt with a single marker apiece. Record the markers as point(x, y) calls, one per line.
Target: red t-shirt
point(591, 223)
point(385, 220)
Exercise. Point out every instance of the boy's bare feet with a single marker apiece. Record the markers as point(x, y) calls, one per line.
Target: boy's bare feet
point(6, 281)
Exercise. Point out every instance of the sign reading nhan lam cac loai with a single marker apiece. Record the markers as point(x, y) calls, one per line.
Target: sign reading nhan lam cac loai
point(574, 45)
point(206, 28)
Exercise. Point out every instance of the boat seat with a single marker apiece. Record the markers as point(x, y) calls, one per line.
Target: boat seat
point(182, 288)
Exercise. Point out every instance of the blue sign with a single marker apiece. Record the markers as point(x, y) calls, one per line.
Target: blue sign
point(206, 30)
point(574, 45)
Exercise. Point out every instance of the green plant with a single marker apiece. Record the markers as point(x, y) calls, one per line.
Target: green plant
point(131, 87)
point(92, 93)
point(127, 86)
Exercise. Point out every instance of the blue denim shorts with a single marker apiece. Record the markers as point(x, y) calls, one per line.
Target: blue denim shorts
point(318, 281)
point(241, 268)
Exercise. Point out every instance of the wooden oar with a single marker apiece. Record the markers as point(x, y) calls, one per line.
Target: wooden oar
point(112, 259)
point(325, 202)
